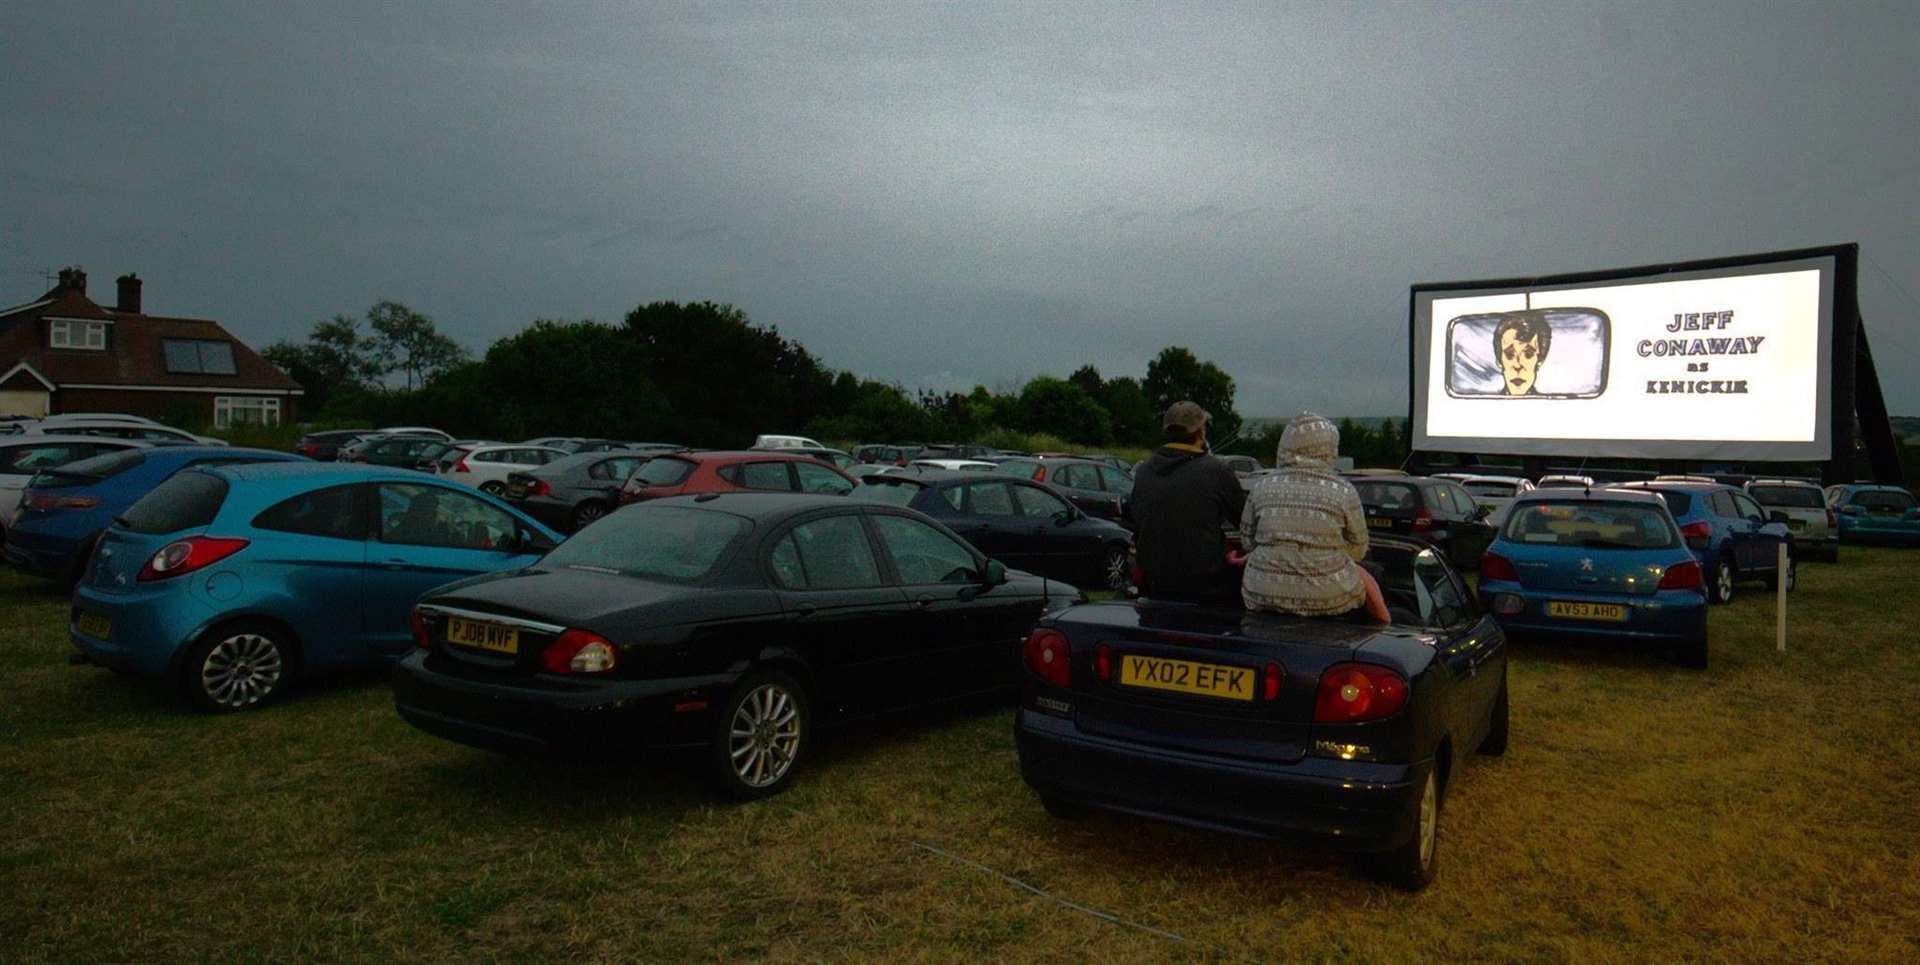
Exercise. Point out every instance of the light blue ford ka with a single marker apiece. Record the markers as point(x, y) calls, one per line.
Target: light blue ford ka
point(233, 580)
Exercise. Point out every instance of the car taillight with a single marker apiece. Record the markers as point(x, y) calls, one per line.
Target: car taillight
point(49, 501)
point(1270, 678)
point(1103, 663)
point(1833, 522)
point(420, 638)
point(1354, 692)
point(578, 651)
point(184, 556)
point(1422, 520)
point(1046, 653)
point(1493, 566)
point(1681, 576)
point(461, 466)
point(1040, 474)
point(1696, 534)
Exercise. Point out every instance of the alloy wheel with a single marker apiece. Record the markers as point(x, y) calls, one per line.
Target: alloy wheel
point(764, 737)
point(1429, 821)
point(1116, 570)
point(241, 670)
point(1723, 581)
point(587, 514)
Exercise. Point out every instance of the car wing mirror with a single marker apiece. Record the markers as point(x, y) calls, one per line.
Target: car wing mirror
point(993, 574)
point(1482, 512)
point(533, 542)
point(1063, 517)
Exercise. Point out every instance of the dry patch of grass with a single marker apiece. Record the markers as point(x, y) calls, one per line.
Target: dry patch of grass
point(1765, 809)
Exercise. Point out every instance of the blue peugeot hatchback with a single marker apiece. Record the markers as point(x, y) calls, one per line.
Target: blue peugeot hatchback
point(234, 579)
point(1876, 514)
point(1733, 538)
point(66, 508)
point(1603, 564)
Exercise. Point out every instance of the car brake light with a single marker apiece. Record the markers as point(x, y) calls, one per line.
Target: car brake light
point(183, 556)
point(1046, 654)
point(1422, 520)
point(420, 638)
point(47, 501)
point(538, 487)
point(1103, 663)
point(1681, 576)
point(578, 651)
point(461, 466)
point(1697, 533)
point(1354, 692)
point(1833, 522)
point(1270, 681)
point(1493, 566)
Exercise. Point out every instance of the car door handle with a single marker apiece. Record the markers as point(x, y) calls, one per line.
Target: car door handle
point(803, 609)
point(922, 602)
point(395, 564)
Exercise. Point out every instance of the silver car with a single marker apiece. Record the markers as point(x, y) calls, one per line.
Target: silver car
point(1816, 533)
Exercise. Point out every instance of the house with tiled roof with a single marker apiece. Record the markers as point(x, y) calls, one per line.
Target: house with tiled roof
point(64, 352)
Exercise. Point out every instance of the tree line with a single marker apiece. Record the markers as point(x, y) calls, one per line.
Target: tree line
point(703, 374)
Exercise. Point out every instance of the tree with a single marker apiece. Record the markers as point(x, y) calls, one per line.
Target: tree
point(336, 356)
point(1088, 379)
point(574, 378)
point(1066, 410)
point(1175, 375)
point(724, 378)
point(1135, 423)
point(407, 342)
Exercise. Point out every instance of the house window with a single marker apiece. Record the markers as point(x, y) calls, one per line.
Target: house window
point(71, 333)
point(240, 410)
point(194, 356)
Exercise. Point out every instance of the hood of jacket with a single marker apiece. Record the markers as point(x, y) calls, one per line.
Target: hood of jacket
point(1309, 442)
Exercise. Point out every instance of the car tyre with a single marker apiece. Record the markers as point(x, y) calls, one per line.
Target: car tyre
point(763, 733)
point(1065, 809)
point(1792, 575)
point(1692, 654)
point(1116, 570)
point(587, 513)
point(237, 666)
point(1720, 582)
point(498, 490)
point(1410, 866)
point(1496, 742)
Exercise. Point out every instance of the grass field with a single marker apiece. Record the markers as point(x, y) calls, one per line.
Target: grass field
point(1766, 810)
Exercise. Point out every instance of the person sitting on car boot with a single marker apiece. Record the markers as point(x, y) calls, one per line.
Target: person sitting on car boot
point(1184, 501)
point(1306, 533)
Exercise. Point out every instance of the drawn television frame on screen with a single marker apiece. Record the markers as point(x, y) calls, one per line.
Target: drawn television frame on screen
point(1605, 361)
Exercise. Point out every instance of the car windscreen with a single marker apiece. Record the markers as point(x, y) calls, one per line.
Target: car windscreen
point(1591, 525)
point(1491, 488)
point(1388, 496)
point(889, 490)
point(186, 501)
point(1883, 499)
point(89, 470)
point(662, 471)
point(675, 543)
point(1795, 497)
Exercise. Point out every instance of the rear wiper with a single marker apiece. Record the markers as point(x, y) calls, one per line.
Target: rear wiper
point(121, 521)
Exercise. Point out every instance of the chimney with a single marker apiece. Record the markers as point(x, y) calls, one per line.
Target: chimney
point(129, 293)
point(73, 279)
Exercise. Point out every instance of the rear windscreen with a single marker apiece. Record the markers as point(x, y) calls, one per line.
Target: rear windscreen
point(1797, 497)
point(662, 542)
point(189, 500)
point(1883, 499)
point(1388, 496)
point(662, 472)
point(879, 489)
point(1490, 488)
point(88, 470)
point(1592, 525)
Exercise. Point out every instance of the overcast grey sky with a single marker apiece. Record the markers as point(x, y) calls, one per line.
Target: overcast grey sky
point(954, 194)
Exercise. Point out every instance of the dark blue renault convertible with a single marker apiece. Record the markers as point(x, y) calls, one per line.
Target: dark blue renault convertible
point(1271, 725)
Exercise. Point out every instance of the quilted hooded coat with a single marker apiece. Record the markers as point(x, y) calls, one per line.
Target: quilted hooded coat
point(1304, 528)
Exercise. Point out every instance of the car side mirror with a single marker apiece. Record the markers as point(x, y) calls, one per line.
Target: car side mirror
point(995, 574)
point(1481, 512)
point(532, 542)
point(1063, 517)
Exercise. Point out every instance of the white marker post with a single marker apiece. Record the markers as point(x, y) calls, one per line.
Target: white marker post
point(1780, 624)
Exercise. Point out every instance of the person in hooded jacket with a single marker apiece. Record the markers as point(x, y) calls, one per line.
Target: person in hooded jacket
point(1306, 533)
point(1184, 502)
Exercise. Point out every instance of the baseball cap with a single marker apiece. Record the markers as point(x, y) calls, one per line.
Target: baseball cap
point(1186, 415)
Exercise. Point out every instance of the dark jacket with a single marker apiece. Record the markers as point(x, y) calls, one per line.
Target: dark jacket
point(1182, 503)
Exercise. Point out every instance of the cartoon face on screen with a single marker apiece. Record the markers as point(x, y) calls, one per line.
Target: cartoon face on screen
point(1521, 342)
point(1539, 353)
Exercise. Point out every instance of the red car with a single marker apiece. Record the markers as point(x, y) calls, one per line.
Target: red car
point(718, 472)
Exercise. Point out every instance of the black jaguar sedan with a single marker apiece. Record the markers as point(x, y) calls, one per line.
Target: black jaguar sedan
point(730, 625)
point(1027, 525)
point(1271, 725)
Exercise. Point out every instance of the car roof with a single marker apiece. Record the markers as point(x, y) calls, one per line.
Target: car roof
point(1491, 479)
point(41, 439)
point(1595, 495)
point(318, 471)
point(735, 455)
point(761, 505)
point(1686, 485)
point(193, 452)
point(1783, 482)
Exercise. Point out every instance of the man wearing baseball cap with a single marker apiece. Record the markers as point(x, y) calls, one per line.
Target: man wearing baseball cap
point(1183, 498)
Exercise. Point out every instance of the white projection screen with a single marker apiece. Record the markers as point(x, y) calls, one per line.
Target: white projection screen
point(1722, 363)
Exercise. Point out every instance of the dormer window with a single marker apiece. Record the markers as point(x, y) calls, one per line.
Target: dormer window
point(198, 356)
point(75, 333)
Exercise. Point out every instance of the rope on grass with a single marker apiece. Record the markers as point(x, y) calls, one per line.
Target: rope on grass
point(1106, 916)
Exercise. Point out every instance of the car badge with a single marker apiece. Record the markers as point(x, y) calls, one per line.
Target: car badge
point(1586, 565)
